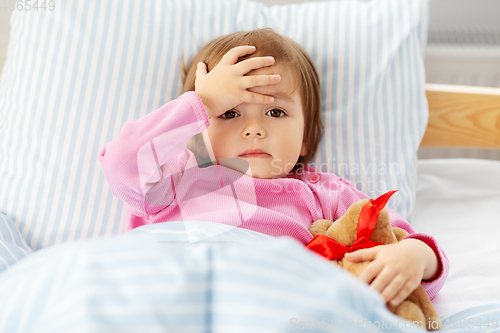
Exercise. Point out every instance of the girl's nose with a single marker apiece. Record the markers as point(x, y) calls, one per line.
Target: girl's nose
point(253, 133)
point(254, 130)
point(252, 122)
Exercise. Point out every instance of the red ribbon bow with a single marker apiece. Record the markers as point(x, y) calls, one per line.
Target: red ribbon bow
point(368, 217)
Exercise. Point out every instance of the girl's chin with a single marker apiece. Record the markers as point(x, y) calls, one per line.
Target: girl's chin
point(237, 164)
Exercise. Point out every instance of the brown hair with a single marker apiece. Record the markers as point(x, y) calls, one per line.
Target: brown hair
point(286, 52)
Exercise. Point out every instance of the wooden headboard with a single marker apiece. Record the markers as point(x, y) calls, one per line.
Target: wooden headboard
point(462, 116)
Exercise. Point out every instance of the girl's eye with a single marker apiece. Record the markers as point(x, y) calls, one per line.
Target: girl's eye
point(229, 114)
point(276, 113)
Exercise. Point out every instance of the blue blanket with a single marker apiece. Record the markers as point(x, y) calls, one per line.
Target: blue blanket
point(187, 277)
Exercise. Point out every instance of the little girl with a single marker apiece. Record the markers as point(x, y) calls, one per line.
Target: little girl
point(250, 115)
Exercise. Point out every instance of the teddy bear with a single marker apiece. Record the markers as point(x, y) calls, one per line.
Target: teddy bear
point(366, 224)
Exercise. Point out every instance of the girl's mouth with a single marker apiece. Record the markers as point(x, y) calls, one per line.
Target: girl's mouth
point(256, 153)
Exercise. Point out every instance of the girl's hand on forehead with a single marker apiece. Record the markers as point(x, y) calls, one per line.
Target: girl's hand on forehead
point(225, 87)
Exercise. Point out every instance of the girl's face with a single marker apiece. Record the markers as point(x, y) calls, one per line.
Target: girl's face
point(277, 129)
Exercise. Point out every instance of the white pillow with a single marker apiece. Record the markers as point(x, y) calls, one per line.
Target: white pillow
point(74, 75)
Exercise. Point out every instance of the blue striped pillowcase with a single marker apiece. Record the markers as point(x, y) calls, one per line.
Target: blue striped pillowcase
point(74, 75)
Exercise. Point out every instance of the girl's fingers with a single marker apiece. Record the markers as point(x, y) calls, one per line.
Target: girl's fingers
point(253, 63)
point(407, 289)
point(252, 97)
point(363, 255)
point(232, 55)
point(394, 288)
point(382, 281)
point(371, 271)
point(260, 80)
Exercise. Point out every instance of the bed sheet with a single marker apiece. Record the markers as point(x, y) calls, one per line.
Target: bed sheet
point(458, 202)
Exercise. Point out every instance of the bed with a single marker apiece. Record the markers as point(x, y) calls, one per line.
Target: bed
point(66, 264)
point(463, 193)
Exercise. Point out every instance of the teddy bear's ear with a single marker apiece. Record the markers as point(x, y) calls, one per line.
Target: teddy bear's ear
point(356, 207)
point(399, 233)
point(319, 227)
point(383, 231)
point(344, 230)
point(351, 216)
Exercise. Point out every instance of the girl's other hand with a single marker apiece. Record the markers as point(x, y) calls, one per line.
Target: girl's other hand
point(397, 269)
point(225, 87)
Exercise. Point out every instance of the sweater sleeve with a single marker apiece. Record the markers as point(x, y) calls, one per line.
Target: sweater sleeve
point(348, 194)
point(141, 162)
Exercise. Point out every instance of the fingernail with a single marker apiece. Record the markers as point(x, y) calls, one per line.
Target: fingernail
point(271, 99)
point(277, 77)
point(271, 59)
point(253, 47)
